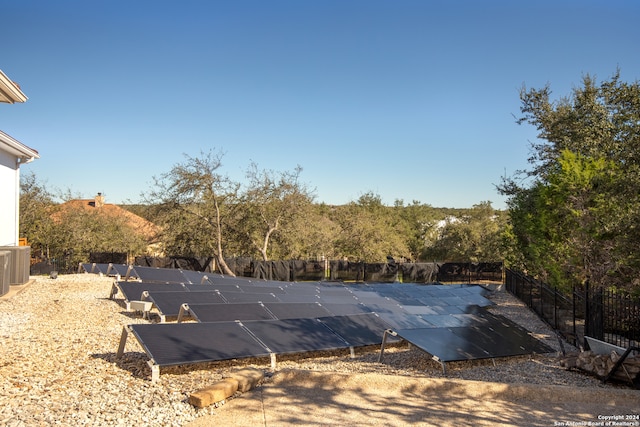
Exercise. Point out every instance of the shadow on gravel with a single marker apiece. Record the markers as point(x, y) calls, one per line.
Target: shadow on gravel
point(323, 399)
point(134, 362)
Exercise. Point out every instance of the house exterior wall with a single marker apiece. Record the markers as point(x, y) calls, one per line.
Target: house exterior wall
point(9, 199)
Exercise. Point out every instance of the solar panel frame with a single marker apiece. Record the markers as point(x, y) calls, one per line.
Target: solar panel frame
point(302, 310)
point(295, 335)
point(404, 320)
point(132, 291)
point(346, 309)
point(170, 344)
point(255, 289)
point(230, 280)
point(100, 268)
point(302, 290)
point(118, 269)
point(443, 320)
point(248, 297)
point(252, 318)
point(169, 303)
point(419, 309)
point(226, 312)
point(483, 335)
point(359, 329)
point(337, 299)
point(196, 277)
point(298, 298)
point(160, 275)
point(443, 344)
point(208, 287)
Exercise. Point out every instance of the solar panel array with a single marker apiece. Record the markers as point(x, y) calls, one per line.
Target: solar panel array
point(240, 317)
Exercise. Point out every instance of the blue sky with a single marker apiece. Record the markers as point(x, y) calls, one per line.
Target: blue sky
point(411, 100)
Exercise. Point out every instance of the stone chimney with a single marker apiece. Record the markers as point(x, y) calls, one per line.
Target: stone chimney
point(99, 201)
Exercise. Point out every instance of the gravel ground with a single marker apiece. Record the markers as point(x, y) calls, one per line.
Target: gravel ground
point(59, 338)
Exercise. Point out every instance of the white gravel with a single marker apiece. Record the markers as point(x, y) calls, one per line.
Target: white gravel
point(59, 338)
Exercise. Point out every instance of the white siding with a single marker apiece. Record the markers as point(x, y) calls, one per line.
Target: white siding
point(9, 199)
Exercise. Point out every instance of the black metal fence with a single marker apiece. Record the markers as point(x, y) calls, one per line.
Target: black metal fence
point(609, 315)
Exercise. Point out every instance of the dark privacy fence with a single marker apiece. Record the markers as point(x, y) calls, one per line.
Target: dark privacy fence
point(301, 270)
point(608, 315)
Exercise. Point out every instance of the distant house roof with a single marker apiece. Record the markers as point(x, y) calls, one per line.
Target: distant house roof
point(16, 148)
point(145, 228)
point(10, 92)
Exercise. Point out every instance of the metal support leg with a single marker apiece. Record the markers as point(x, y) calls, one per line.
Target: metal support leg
point(384, 341)
point(123, 341)
point(443, 364)
point(128, 275)
point(184, 309)
point(273, 361)
point(155, 371)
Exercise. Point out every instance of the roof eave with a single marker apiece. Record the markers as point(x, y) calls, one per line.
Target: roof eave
point(18, 149)
point(10, 92)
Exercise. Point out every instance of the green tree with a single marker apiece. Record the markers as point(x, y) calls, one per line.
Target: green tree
point(369, 231)
point(78, 232)
point(36, 209)
point(194, 202)
point(309, 235)
point(576, 219)
point(271, 203)
point(418, 224)
point(475, 236)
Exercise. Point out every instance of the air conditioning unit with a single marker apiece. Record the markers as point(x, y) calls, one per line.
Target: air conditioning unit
point(5, 272)
point(19, 264)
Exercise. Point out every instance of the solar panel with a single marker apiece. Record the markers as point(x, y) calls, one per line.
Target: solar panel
point(243, 317)
point(169, 344)
point(261, 289)
point(160, 275)
point(358, 330)
point(301, 310)
point(118, 269)
point(132, 291)
point(337, 298)
point(419, 309)
point(518, 339)
point(482, 336)
point(298, 298)
point(248, 297)
point(444, 344)
point(99, 268)
point(295, 335)
point(230, 280)
point(229, 312)
point(302, 289)
point(443, 320)
point(197, 277)
point(169, 303)
point(345, 309)
point(385, 308)
point(448, 309)
point(373, 298)
point(404, 320)
point(268, 283)
point(208, 287)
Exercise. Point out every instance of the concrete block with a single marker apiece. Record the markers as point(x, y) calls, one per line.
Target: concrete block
point(247, 378)
point(215, 393)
